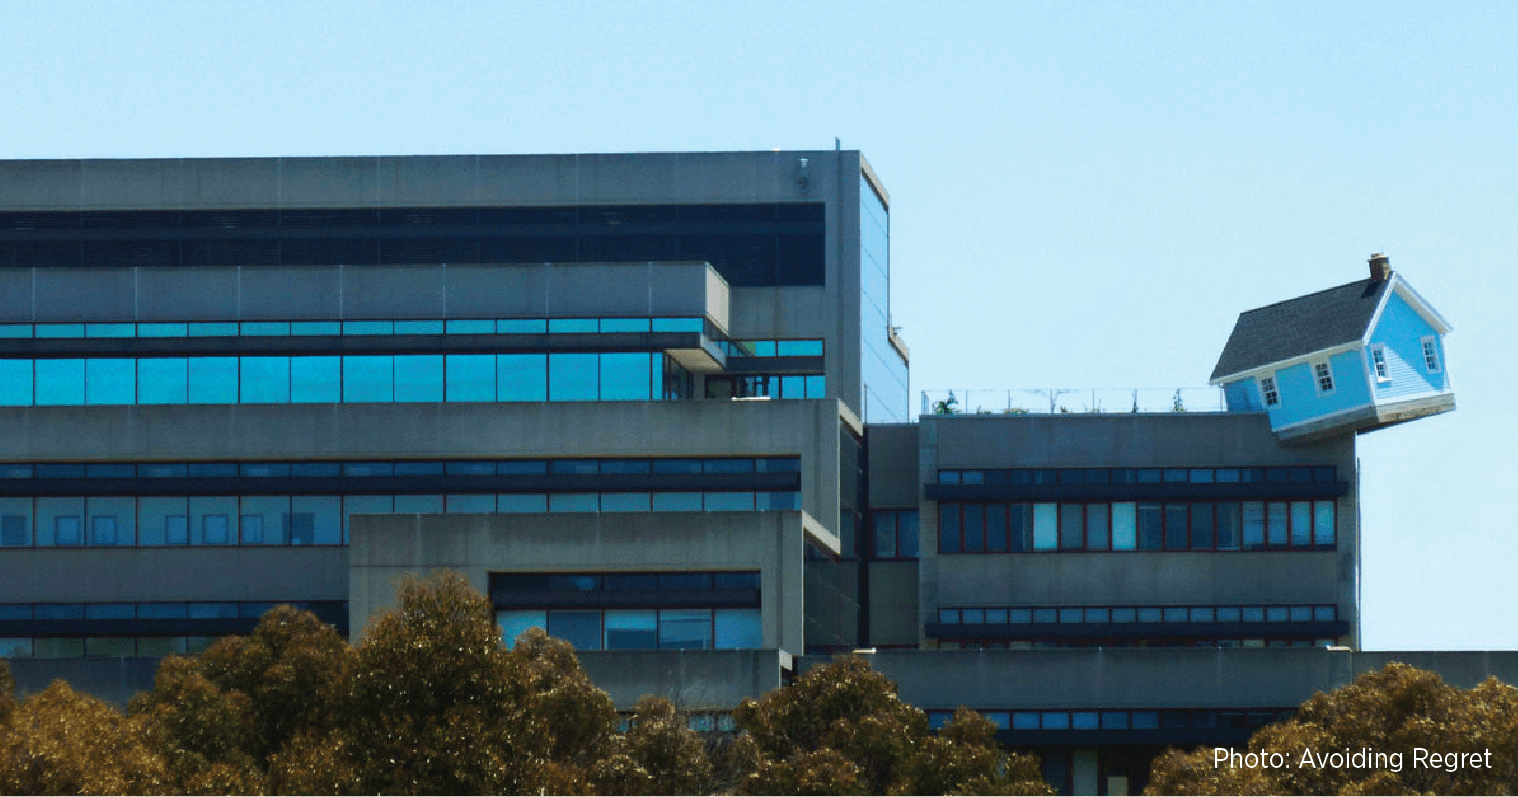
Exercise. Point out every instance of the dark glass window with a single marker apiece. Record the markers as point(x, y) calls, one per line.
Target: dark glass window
point(948, 528)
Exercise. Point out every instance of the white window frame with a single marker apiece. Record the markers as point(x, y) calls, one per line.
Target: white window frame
point(1431, 358)
point(1323, 371)
point(1378, 365)
point(1269, 387)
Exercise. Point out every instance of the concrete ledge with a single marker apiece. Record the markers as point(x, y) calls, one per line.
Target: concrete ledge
point(1155, 678)
point(695, 680)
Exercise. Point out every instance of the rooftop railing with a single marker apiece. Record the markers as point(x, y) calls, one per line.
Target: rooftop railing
point(1048, 401)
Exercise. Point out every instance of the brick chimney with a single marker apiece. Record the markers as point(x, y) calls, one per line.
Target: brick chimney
point(1380, 267)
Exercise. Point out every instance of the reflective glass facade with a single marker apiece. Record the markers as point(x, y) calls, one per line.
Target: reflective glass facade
point(883, 373)
point(604, 376)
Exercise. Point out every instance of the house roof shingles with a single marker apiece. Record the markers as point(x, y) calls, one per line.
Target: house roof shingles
point(1300, 326)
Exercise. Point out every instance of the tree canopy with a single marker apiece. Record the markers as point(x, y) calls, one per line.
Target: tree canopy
point(1366, 738)
point(840, 729)
point(429, 702)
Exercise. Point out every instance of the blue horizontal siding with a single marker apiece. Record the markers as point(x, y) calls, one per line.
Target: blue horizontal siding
point(1242, 396)
point(1300, 400)
point(1401, 330)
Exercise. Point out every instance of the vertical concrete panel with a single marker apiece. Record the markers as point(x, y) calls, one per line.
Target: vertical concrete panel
point(500, 291)
point(41, 184)
point(176, 294)
point(157, 183)
point(595, 290)
point(428, 180)
point(289, 292)
point(393, 292)
point(15, 295)
point(329, 182)
point(232, 182)
point(85, 294)
point(528, 180)
point(628, 178)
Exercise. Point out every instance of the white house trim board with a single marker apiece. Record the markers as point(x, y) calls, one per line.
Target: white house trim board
point(1270, 368)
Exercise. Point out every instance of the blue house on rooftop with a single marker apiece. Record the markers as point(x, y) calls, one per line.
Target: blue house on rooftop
point(1360, 357)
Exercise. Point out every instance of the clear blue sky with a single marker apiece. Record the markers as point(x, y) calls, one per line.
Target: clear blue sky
point(1085, 194)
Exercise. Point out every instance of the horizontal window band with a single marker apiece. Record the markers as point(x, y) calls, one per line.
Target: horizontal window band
point(659, 599)
point(1056, 631)
point(334, 345)
point(220, 626)
point(1135, 492)
point(1220, 737)
point(405, 485)
point(371, 233)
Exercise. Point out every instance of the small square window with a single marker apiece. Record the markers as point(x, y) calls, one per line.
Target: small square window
point(1268, 391)
point(1323, 376)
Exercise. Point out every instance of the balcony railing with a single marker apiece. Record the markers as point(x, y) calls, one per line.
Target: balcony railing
point(1047, 401)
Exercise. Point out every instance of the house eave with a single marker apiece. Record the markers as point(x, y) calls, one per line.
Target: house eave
point(1271, 367)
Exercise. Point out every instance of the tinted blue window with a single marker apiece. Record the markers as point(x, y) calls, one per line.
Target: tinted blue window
point(574, 502)
point(369, 379)
point(15, 330)
point(213, 380)
point(161, 611)
point(572, 377)
point(676, 502)
point(678, 325)
point(163, 380)
point(626, 376)
point(471, 377)
point(15, 383)
point(816, 387)
point(60, 382)
point(315, 328)
point(110, 381)
point(522, 502)
point(315, 379)
point(624, 325)
point(474, 502)
point(729, 502)
point(265, 380)
point(521, 466)
point(521, 326)
point(419, 328)
point(582, 629)
point(368, 327)
point(467, 327)
point(624, 501)
point(572, 325)
point(522, 377)
point(110, 330)
point(419, 377)
point(736, 628)
point(60, 330)
point(217, 329)
point(266, 328)
point(59, 611)
point(799, 348)
point(161, 330)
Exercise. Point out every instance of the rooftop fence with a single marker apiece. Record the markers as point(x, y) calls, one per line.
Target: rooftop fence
point(1048, 401)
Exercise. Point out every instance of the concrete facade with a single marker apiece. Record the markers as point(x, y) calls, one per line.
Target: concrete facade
point(760, 455)
point(1149, 441)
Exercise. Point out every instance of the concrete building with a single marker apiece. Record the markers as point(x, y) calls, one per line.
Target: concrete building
point(654, 403)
